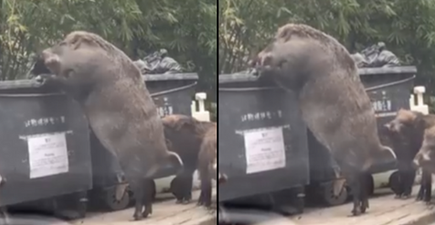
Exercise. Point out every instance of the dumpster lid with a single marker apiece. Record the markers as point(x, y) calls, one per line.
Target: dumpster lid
point(388, 70)
point(31, 83)
point(19, 84)
point(173, 76)
point(244, 76)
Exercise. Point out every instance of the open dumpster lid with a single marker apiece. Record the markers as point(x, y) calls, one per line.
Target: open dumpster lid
point(246, 77)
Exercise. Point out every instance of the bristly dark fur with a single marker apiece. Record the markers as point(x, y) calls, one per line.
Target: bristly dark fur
point(185, 134)
point(406, 132)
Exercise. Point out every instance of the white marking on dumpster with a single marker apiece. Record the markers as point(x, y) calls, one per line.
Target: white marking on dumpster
point(242, 132)
point(44, 121)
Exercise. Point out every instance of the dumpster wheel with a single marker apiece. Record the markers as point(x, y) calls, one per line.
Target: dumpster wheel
point(109, 199)
point(394, 182)
point(330, 199)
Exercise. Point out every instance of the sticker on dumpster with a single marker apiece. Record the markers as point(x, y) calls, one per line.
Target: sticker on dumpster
point(165, 110)
point(383, 108)
point(265, 150)
point(48, 155)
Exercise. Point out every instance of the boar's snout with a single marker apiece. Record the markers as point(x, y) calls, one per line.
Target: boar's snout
point(51, 61)
point(393, 126)
point(222, 178)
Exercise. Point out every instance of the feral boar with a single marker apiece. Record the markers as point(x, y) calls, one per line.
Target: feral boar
point(426, 155)
point(402, 146)
point(184, 135)
point(207, 166)
point(331, 97)
point(119, 108)
point(407, 134)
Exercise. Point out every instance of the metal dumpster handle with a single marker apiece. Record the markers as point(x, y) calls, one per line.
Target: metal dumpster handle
point(248, 89)
point(389, 84)
point(174, 90)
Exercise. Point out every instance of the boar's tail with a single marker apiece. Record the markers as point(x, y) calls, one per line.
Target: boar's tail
point(175, 159)
point(390, 150)
point(171, 164)
point(383, 156)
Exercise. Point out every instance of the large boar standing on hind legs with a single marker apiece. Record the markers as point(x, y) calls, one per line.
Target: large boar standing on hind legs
point(119, 108)
point(332, 99)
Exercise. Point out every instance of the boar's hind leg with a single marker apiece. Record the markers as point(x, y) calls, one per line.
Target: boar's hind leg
point(408, 182)
point(359, 192)
point(185, 185)
point(138, 188)
point(148, 197)
point(206, 188)
point(425, 192)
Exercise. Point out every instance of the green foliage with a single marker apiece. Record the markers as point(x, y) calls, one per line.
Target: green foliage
point(407, 27)
point(186, 28)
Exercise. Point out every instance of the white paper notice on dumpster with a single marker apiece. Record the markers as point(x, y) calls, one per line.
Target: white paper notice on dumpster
point(48, 155)
point(265, 150)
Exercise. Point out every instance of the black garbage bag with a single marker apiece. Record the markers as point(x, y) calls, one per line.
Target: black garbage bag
point(158, 63)
point(376, 56)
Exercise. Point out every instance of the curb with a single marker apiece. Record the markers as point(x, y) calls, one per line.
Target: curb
point(423, 220)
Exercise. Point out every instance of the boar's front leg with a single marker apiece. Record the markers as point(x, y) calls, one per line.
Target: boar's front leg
point(185, 181)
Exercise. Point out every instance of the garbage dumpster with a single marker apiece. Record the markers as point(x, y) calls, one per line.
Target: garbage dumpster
point(389, 89)
point(262, 138)
point(45, 143)
point(172, 94)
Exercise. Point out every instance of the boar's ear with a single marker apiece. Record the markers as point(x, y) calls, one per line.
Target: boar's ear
point(79, 38)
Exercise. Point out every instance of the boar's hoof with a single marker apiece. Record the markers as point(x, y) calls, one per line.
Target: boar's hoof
point(148, 211)
point(185, 201)
point(137, 216)
point(356, 212)
point(363, 209)
point(397, 196)
point(179, 201)
point(404, 196)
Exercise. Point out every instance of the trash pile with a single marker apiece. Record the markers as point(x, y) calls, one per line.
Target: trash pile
point(158, 63)
point(375, 56)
